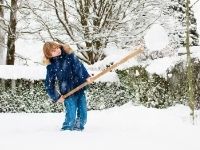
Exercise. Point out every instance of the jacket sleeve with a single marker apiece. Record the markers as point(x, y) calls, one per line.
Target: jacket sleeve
point(78, 68)
point(50, 84)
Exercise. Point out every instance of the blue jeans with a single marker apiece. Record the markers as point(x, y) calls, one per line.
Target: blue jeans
point(76, 112)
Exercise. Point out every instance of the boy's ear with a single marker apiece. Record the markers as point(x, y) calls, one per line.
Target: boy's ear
point(67, 48)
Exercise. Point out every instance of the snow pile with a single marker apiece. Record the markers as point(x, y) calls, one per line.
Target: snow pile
point(161, 65)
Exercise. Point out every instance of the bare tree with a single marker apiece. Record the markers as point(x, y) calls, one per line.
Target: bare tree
point(189, 63)
point(12, 33)
point(12, 26)
point(2, 34)
point(92, 24)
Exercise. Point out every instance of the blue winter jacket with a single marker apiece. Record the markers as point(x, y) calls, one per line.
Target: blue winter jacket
point(68, 71)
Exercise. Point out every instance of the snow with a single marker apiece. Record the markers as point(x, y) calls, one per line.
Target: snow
point(158, 66)
point(156, 38)
point(31, 49)
point(195, 51)
point(127, 127)
point(22, 72)
point(161, 65)
point(113, 55)
point(108, 77)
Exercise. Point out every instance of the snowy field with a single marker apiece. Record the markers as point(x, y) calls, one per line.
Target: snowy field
point(127, 127)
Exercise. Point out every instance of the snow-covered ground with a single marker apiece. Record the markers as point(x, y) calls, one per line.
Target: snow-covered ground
point(127, 127)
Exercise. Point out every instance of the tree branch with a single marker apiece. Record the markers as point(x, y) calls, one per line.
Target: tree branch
point(194, 4)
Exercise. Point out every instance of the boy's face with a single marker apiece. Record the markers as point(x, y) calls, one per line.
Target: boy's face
point(56, 52)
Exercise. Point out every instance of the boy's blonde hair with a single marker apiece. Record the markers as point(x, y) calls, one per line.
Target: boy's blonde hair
point(49, 46)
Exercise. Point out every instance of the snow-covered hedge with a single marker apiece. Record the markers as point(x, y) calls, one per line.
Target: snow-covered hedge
point(149, 90)
point(27, 96)
point(136, 85)
point(104, 95)
point(30, 96)
point(179, 83)
point(153, 90)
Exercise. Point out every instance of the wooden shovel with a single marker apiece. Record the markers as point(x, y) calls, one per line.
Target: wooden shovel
point(133, 53)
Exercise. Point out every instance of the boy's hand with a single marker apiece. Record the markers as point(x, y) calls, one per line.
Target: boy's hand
point(89, 80)
point(61, 99)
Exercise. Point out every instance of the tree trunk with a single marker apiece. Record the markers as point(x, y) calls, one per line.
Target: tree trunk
point(2, 36)
point(84, 9)
point(189, 64)
point(12, 34)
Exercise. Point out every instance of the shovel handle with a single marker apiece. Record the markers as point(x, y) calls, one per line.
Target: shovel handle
point(133, 53)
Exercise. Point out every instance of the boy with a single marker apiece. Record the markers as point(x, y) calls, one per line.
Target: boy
point(65, 67)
